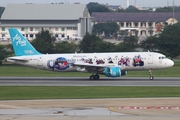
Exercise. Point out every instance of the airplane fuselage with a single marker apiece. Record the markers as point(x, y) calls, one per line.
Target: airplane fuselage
point(128, 61)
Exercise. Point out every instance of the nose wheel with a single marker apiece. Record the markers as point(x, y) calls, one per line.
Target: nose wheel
point(151, 77)
point(94, 77)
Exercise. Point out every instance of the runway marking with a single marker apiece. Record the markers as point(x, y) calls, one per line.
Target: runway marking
point(149, 107)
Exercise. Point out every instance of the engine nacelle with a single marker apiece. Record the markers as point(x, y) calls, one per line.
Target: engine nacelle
point(114, 72)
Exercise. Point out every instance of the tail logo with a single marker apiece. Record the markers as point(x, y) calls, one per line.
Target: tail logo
point(19, 40)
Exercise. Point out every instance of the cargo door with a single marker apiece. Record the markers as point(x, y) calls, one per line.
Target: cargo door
point(40, 62)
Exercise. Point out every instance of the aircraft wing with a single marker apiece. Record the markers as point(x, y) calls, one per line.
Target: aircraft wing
point(20, 59)
point(86, 65)
point(93, 67)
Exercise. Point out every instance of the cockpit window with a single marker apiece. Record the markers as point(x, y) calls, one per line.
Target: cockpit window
point(163, 57)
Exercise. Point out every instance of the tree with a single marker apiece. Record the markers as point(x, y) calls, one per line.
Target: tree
point(96, 7)
point(169, 40)
point(121, 10)
point(5, 51)
point(89, 43)
point(109, 29)
point(132, 9)
point(104, 46)
point(44, 42)
point(164, 9)
point(122, 47)
point(2, 53)
point(168, 9)
point(65, 47)
point(150, 43)
point(129, 44)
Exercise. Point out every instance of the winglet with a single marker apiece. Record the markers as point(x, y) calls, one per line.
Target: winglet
point(21, 45)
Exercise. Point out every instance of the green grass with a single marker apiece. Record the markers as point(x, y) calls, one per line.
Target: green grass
point(62, 92)
point(17, 70)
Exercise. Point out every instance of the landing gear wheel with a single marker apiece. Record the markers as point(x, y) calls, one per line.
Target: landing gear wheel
point(151, 78)
point(96, 77)
point(91, 77)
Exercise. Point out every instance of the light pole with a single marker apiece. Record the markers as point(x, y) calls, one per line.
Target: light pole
point(173, 12)
point(127, 3)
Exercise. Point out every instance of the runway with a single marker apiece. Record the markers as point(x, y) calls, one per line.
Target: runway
point(84, 81)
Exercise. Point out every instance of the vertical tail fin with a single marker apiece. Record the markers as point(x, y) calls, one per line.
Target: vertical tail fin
point(20, 44)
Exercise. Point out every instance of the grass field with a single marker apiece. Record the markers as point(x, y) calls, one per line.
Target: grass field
point(16, 70)
point(61, 92)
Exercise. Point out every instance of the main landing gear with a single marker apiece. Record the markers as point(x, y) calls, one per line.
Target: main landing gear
point(94, 77)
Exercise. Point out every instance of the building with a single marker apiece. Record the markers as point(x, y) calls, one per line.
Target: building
point(65, 21)
point(142, 24)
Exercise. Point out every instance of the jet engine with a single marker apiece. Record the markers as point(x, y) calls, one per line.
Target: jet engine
point(114, 72)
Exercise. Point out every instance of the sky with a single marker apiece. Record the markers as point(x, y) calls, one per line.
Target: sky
point(122, 3)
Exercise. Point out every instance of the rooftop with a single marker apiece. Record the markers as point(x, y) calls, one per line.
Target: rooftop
point(43, 11)
point(133, 17)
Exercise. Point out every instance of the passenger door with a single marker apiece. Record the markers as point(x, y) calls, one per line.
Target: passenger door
point(150, 59)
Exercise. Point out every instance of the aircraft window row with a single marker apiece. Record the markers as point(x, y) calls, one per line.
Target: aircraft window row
point(162, 57)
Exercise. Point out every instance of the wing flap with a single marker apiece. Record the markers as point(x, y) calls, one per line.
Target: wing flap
point(93, 65)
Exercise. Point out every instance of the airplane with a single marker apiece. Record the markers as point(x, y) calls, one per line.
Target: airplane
point(114, 64)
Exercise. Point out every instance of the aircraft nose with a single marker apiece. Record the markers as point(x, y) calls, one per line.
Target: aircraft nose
point(171, 63)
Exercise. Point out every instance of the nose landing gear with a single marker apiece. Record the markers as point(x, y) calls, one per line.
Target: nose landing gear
point(150, 75)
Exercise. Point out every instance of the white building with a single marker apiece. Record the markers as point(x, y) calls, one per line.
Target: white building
point(62, 20)
point(142, 24)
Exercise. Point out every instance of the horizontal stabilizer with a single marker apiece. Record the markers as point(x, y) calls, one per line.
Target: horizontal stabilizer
point(17, 59)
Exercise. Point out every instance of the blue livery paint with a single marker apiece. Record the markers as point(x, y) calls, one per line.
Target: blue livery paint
point(112, 72)
point(21, 45)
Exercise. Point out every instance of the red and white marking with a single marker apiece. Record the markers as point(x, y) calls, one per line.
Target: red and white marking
point(149, 107)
